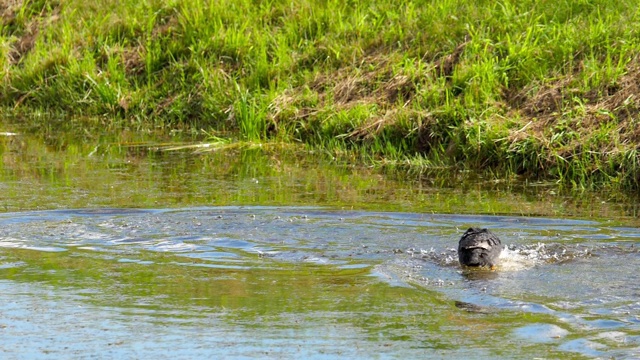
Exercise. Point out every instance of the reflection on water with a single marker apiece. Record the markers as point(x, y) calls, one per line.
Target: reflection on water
point(134, 171)
point(290, 281)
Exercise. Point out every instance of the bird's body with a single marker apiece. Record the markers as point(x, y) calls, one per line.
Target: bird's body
point(479, 247)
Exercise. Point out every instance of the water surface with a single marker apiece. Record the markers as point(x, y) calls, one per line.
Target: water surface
point(306, 281)
point(113, 249)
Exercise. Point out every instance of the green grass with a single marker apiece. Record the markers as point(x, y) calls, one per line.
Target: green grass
point(540, 89)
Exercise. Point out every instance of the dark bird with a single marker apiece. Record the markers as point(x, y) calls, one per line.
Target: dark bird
point(479, 247)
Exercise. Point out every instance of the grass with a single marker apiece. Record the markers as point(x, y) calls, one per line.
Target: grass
point(540, 89)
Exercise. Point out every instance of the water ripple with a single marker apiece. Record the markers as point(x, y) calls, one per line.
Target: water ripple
point(581, 272)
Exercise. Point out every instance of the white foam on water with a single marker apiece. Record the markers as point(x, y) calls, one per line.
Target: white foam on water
point(525, 257)
point(519, 259)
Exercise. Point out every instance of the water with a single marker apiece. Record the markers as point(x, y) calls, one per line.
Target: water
point(287, 282)
point(109, 251)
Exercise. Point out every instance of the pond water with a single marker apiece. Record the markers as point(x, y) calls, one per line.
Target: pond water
point(111, 250)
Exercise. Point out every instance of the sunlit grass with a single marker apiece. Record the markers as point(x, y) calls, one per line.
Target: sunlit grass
point(452, 82)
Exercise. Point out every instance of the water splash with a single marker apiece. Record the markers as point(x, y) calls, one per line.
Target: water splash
point(515, 258)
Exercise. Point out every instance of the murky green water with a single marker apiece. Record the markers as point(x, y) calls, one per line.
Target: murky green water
point(129, 251)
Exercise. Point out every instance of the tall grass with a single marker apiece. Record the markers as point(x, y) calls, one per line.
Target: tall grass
point(524, 86)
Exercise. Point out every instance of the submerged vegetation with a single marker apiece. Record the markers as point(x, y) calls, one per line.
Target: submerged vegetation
point(541, 89)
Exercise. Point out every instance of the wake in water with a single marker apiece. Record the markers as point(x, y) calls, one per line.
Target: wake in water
point(513, 258)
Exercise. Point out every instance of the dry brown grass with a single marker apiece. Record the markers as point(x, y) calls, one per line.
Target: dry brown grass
point(371, 82)
point(445, 65)
point(27, 33)
point(541, 109)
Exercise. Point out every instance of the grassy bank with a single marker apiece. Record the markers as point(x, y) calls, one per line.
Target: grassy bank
point(542, 89)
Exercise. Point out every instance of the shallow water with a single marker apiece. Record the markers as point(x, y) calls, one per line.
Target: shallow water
point(130, 251)
point(305, 281)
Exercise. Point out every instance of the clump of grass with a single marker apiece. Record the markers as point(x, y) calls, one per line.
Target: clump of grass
point(539, 89)
point(250, 117)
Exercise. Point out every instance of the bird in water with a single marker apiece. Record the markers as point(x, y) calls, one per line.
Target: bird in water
point(479, 247)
